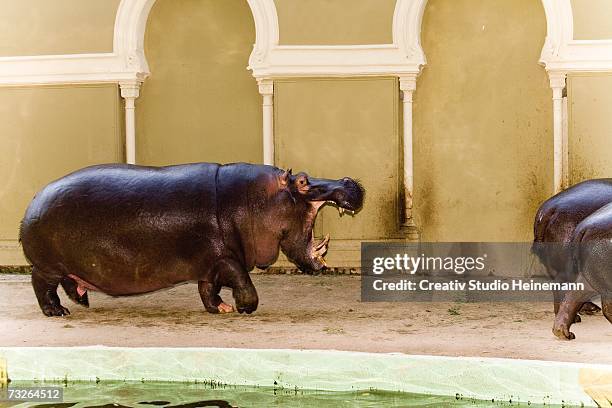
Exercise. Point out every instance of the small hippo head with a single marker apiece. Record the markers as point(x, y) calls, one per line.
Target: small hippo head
point(306, 195)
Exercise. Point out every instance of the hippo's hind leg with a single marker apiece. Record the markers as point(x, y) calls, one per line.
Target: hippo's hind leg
point(572, 302)
point(71, 287)
point(45, 287)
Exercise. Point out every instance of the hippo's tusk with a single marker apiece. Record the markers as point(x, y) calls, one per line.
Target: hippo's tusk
point(320, 251)
point(320, 259)
point(341, 211)
point(323, 242)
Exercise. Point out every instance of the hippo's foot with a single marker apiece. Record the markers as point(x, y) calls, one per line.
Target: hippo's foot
point(218, 306)
point(55, 310)
point(590, 308)
point(225, 308)
point(209, 293)
point(562, 331)
point(245, 296)
point(568, 311)
point(45, 287)
point(247, 309)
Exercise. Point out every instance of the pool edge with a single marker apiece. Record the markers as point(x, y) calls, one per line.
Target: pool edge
point(482, 378)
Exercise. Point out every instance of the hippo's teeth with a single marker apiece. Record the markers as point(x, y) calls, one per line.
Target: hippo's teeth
point(341, 211)
point(320, 251)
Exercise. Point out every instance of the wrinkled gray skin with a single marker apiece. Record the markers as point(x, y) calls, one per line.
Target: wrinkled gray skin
point(591, 248)
point(126, 230)
point(555, 222)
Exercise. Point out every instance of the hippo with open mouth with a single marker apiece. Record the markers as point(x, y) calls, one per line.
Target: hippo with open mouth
point(126, 230)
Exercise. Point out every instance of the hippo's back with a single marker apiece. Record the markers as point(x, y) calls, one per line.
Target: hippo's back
point(121, 218)
point(592, 249)
point(558, 216)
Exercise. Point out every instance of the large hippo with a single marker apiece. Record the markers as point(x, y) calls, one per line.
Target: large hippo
point(555, 222)
point(591, 247)
point(126, 230)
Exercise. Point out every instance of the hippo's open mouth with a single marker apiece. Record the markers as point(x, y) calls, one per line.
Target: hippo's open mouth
point(347, 196)
point(308, 195)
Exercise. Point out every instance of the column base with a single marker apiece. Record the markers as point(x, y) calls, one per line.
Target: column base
point(410, 231)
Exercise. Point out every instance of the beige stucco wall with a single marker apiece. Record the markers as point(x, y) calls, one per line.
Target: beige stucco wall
point(335, 21)
point(200, 102)
point(333, 128)
point(590, 126)
point(482, 121)
point(39, 27)
point(592, 19)
point(47, 132)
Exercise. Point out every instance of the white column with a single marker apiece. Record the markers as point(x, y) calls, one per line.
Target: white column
point(130, 91)
point(407, 87)
point(557, 83)
point(565, 166)
point(266, 89)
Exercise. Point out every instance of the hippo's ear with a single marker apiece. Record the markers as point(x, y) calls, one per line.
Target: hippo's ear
point(284, 178)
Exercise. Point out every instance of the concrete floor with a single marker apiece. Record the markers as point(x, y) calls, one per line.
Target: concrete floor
point(302, 312)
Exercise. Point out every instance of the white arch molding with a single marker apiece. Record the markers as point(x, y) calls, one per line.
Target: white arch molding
point(128, 46)
point(404, 58)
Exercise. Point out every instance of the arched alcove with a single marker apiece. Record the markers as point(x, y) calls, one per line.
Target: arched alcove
point(199, 102)
point(483, 134)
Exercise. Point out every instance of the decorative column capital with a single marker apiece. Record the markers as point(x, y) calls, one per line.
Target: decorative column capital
point(408, 82)
point(557, 83)
point(266, 86)
point(557, 79)
point(130, 89)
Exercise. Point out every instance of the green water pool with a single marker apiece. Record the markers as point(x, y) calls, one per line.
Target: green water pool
point(175, 395)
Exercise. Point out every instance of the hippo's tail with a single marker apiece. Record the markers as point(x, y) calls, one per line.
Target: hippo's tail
point(540, 226)
point(20, 230)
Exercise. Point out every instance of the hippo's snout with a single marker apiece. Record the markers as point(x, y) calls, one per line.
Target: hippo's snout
point(346, 193)
point(349, 195)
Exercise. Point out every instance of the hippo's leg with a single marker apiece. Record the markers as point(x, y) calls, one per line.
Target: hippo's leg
point(45, 288)
point(558, 296)
point(606, 306)
point(232, 275)
point(71, 287)
point(209, 293)
point(568, 310)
